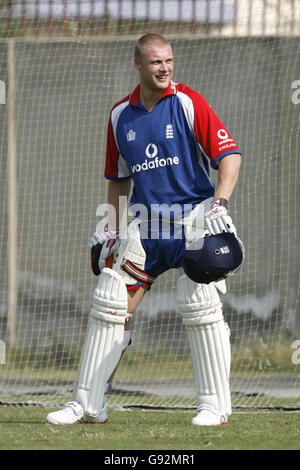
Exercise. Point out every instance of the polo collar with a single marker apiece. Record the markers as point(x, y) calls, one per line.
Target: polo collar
point(135, 95)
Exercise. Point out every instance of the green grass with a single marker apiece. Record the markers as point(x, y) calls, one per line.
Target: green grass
point(135, 429)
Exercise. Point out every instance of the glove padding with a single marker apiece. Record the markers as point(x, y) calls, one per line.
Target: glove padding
point(217, 219)
point(103, 247)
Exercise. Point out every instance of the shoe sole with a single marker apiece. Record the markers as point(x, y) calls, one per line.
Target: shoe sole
point(93, 422)
point(62, 424)
point(219, 424)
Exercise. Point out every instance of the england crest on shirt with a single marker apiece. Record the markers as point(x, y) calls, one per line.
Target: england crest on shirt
point(169, 131)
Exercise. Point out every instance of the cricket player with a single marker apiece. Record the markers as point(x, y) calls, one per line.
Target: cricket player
point(162, 140)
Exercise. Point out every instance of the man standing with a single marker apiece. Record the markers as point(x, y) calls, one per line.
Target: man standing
point(163, 137)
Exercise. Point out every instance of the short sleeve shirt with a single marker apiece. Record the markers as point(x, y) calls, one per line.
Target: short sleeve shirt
point(167, 152)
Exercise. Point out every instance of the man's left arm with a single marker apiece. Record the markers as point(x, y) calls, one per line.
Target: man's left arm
point(228, 172)
point(217, 219)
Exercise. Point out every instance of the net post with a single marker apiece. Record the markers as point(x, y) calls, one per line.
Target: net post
point(12, 195)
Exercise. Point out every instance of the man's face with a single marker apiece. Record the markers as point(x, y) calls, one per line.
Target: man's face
point(156, 67)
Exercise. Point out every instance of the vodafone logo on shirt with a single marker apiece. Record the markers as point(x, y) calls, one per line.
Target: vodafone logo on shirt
point(222, 134)
point(225, 140)
point(151, 150)
point(153, 161)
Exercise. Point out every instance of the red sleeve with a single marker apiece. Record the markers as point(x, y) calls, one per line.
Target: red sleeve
point(213, 137)
point(112, 154)
point(115, 165)
point(211, 133)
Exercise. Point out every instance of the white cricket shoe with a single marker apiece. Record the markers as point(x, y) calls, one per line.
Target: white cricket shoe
point(71, 414)
point(100, 419)
point(208, 416)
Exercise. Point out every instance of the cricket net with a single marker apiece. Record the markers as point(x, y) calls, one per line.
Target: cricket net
point(56, 95)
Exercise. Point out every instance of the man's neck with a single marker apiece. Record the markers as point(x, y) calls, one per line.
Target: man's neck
point(149, 99)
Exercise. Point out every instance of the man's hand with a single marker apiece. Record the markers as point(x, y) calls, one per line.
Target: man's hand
point(103, 247)
point(217, 219)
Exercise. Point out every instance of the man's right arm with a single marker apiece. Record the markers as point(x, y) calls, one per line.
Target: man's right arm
point(103, 243)
point(116, 188)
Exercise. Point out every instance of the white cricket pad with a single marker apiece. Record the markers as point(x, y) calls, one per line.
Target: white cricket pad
point(104, 341)
point(208, 336)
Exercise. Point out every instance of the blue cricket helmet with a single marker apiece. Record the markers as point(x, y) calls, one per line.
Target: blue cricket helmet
point(213, 258)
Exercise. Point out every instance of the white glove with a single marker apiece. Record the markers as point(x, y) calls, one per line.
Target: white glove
point(217, 219)
point(103, 247)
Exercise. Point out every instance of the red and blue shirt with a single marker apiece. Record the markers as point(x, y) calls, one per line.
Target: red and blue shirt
point(167, 152)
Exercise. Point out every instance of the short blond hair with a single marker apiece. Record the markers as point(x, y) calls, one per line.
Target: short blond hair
point(149, 40)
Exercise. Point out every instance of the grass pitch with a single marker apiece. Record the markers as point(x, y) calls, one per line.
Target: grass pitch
point(135, 429)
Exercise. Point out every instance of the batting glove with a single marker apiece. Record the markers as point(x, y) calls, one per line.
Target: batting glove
point(103, 246)
point(217, 219)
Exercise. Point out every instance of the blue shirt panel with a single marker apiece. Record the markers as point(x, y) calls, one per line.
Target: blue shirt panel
point(160, 151)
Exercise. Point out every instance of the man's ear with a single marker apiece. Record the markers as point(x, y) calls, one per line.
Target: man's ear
point(137, 63)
